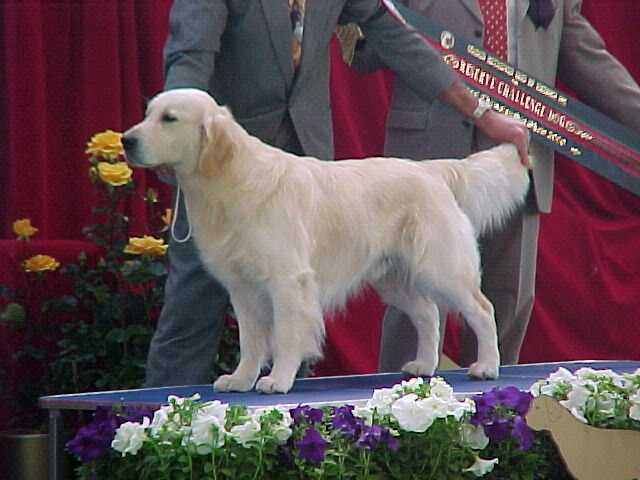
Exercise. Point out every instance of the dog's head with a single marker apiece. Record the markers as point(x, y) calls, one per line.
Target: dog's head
point(184, 129)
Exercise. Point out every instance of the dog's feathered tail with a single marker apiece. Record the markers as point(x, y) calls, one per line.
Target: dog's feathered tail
point(488, 185)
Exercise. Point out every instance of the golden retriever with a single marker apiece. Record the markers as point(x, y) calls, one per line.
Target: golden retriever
point(292, 237)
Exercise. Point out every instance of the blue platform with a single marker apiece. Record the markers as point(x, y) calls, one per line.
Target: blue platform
point(327, 390)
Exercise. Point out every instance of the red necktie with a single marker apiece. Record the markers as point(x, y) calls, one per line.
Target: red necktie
point(494, 14)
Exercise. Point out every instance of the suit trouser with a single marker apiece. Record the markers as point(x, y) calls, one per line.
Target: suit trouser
point(185, 343)
point(508, 280)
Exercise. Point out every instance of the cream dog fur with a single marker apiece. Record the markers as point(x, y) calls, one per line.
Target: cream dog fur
point(292, 237)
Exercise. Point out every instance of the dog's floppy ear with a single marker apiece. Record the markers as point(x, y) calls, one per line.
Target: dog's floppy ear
point(217, 144)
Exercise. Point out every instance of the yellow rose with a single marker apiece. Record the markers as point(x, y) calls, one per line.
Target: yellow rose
point(40, 263)
point(107, 144)
point(150, 246)
point(166, 218)
point(23, 228)
point(115, 174)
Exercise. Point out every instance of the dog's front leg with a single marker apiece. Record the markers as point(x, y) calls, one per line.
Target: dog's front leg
point(254, 324)
point(298, 330)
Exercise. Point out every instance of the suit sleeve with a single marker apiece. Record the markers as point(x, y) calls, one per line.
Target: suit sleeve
point(195, 29)
point(598, 78)
point(400, 48)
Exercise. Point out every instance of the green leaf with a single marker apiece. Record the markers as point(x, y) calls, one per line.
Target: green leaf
point(14, 314)
point(66, 303)
point(117, 335)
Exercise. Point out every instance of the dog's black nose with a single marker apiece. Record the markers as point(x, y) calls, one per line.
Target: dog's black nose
point(129, 142)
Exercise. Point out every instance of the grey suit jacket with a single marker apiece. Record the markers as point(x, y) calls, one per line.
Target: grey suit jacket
point(569, 49)
point(240, 51)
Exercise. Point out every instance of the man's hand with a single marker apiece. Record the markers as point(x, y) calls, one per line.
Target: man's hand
point(498, 127)
point(503, 129)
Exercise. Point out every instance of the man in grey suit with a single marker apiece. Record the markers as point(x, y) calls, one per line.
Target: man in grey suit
point(241, 51)
point(547, 39)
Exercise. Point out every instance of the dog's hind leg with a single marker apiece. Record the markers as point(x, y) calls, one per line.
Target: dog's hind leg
point(298, 330)
point(424, 316)
point(478, 313)
point(254, 324)
point(484, 326)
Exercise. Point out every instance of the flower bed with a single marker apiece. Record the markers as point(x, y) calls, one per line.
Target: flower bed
point(416, 429)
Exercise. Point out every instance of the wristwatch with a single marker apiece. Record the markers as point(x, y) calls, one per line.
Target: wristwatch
point(484, 104)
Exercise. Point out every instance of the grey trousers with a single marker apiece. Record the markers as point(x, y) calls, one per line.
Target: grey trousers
point(508, 280)
point(185, 342)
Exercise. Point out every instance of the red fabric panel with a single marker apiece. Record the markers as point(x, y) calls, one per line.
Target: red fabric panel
point(587, 304)
point(71, 69)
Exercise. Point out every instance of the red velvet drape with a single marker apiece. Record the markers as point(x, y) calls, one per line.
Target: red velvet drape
point(73, 68)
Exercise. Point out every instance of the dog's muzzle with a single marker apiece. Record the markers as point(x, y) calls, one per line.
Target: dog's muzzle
point(131, 150)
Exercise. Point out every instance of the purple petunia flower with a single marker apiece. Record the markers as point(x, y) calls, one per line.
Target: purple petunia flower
point(88, 444)
point(346, 422)
point(311, 446)
point(515, 399)
point(523, 433)
point(498, 430)
point(501, 413)
point(375, 435)
point(304, 413)
point(94, 439)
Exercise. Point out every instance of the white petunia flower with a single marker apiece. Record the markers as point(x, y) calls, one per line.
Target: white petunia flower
point(180, 400)
point(246, 432)
point(474, 436)
point(634, 410)
point(382, 400)
point(411, 384)
point(160, 418)
point(606, 403)
point(481, 467)
point(214, 409)
point(441, 389)
point(129, 437)
point(577, 397)
point(282, 433)
point(207, 432)
point(536, 388)
point(458, 409)
point(412, 414)
point(438, 407)
point(588, 373)
point(281, 430)
point(364, 413)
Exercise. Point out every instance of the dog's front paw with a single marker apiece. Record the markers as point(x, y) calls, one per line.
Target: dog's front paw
point(484, 371)
point(232, 383)
point(418, 368)
point(269, 384)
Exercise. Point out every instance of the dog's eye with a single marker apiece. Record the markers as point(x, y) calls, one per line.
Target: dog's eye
point(168, 118)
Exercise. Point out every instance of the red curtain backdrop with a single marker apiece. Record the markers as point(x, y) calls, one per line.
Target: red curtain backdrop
point(73, 68)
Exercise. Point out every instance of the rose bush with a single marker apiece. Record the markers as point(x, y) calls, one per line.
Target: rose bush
point(96, 335)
